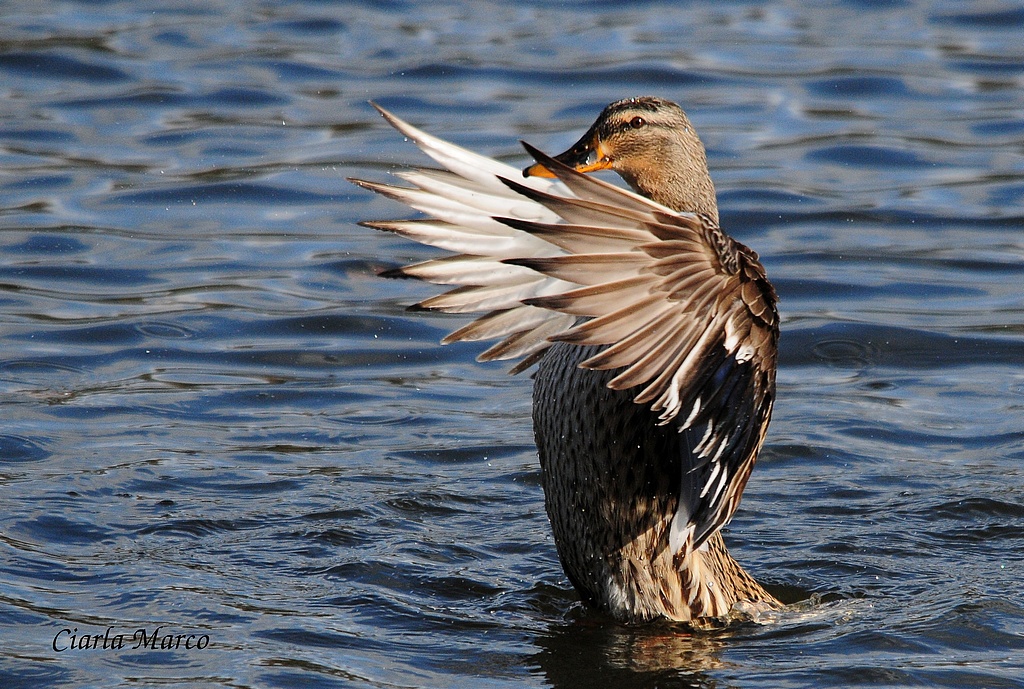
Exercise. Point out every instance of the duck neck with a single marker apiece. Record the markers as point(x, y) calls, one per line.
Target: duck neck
point(688, 190)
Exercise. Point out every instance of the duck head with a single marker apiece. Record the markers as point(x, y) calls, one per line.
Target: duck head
point(651, 144)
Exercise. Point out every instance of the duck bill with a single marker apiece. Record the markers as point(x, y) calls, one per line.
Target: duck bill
point(586, 155)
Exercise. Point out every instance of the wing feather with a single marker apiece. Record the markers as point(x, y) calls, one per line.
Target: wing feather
point(685, 314)
point(466, 270)
point(587, 269)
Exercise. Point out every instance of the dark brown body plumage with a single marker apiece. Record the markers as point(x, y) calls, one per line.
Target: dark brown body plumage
point(611, 483)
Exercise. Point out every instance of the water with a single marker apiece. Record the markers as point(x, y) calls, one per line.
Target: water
point(219, 422)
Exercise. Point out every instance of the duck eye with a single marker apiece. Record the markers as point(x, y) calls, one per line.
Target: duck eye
point(637, 122)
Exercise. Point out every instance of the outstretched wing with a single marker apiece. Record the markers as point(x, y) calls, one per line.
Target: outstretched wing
point(686, 314)
point(464, 201)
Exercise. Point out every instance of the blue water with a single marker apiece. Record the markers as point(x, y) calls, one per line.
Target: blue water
point(219, 422)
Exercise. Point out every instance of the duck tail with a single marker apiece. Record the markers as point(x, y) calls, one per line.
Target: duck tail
point(716, 587)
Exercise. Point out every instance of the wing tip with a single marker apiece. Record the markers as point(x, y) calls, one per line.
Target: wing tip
point(391, 118)
point(396, 274)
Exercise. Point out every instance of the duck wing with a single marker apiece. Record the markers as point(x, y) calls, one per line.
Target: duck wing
point(686, 313)
point(463, 201)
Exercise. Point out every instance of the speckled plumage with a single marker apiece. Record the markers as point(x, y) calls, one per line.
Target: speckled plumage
point(656, 335)
point(611, 476)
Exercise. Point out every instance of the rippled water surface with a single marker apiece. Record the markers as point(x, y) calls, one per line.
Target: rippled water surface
point(219, 422)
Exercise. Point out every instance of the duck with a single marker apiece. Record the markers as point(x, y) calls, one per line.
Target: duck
point(653, 332)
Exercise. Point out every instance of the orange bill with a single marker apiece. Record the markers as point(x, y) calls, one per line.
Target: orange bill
point(586, 155)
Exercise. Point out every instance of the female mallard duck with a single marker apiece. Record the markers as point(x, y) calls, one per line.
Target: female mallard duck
point(656, 335)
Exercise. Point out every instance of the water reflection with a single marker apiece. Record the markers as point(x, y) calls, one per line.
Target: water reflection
point(591, 652)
